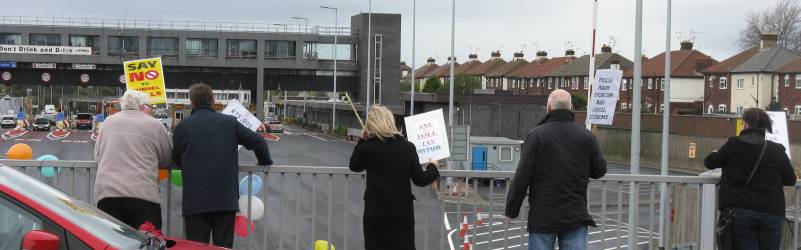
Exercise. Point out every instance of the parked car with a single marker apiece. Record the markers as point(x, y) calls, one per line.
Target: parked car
point(164, 119)
point(42, 124)
point(84, 121)
point(274, 126)
point(37, 214)
point(8, 122)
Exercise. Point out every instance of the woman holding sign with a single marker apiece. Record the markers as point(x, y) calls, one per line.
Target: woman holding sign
point(390, 161)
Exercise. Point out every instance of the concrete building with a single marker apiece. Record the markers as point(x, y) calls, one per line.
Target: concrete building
point(225, 55)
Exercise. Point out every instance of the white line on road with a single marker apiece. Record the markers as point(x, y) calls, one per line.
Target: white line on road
point(315, 137)
point(447, 224)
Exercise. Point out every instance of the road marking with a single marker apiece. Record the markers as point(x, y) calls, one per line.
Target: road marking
point(315, 137)
point(447, 224)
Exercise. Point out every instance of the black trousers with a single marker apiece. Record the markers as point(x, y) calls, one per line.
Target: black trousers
point(132, 211)
point(217, 225)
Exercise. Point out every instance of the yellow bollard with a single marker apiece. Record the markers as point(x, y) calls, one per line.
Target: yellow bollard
point(323, 245)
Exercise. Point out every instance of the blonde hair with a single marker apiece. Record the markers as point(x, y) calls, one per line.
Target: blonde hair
point(380, 123)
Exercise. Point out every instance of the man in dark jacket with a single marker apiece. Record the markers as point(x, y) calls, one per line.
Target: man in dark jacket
point(205, 148)
point(558, 158)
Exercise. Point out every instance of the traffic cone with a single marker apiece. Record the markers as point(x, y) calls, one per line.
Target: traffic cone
point(464, 228)
point(466, 244)
point(479, 221)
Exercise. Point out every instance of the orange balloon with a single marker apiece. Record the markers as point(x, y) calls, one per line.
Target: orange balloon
point(20, 151)
point(162, 174)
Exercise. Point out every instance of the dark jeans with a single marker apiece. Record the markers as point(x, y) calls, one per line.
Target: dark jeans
point(218, 225)
point(132, 211)
point(757, 230)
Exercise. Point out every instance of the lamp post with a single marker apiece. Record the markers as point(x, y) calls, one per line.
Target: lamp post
point(414, 84)
point(306, 27)
point(334, 52)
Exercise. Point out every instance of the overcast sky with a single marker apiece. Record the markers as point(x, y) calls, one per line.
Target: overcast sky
point(481, 25)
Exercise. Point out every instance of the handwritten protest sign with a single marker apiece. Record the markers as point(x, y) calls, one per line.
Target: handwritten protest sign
point(779, 134)
point(429, 135)
point(604, 96)
point(235, 109)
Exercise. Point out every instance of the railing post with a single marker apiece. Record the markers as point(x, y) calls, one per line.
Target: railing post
point(707, 230)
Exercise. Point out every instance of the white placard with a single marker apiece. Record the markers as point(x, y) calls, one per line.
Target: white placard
point(83, 66)
point(243, 116)
point(429, 135)
point(46, 50)
point(779, 134)
point(605, 91)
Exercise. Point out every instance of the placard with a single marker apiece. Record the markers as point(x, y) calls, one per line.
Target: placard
point(243, 116)
point(147, 75)
point(605, 91)
point(429, 135)
point(779, 134)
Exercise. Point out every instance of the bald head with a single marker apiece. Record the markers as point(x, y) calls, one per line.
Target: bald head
point(559, 99)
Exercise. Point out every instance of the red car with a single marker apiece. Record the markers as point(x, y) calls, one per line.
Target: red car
point(36, 216)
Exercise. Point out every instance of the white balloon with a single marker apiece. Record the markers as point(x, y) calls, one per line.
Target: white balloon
point(255, 203)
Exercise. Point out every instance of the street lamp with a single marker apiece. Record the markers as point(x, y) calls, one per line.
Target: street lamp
point(306, 27)
point(334, 52)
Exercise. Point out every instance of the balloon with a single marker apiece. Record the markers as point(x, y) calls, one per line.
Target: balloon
point(162, 174)
point(48, 171)
point(256, 185)
point(240, 226)
point(20, 151)
point(323, 245)
point(177, 178)
point(255, 203)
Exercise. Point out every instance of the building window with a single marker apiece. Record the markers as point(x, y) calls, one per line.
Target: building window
point(10, 39)
point(165, 46)
point(662, 84)
point(86, 41)
point(786, 80)
point(650, 83)
point(740, 83)
point(46, 39)
point(661, 107)
point(723, 83)
point(740, 110)
point(798, 109)
point(240, 49)
point(722, 108)
point(710, 109)
point(199, 47)
point(712, 81)
point(797, 82)
point(123, 45)
point(279, 49)
point(575, 83)
point(505, 153)
point(623, 87)
point(623, 106)
point(325, 51)
point(550, 83)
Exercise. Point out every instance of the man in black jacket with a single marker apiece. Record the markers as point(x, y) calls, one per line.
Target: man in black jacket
point(205, 148)
point(558, 158)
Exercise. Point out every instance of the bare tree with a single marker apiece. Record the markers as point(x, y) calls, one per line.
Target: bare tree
point(784, 19)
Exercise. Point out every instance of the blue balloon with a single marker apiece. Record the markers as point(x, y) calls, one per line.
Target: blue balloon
point(48, 171)
point(255, 186)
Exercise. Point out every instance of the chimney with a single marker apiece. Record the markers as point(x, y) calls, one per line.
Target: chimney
point(472, 57)
point(768, 40)
point(430, 60)
point(403, 63)
point(570, 52)
point(606, 49)
point(542, 54)
point(451, 59)
point(518, 56)
point(615, 64)
point(686, 45)
point(495, 54)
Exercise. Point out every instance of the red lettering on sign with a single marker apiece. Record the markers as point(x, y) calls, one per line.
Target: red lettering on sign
point(136, 76)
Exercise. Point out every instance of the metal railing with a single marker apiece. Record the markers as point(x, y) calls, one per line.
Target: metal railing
point(303, 204)
point(175, 25)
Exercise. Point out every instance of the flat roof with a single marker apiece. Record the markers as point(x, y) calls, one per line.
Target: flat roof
point(494, 140)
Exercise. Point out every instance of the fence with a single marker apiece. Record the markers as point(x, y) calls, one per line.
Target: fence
point(304, 204)
point(174, 25)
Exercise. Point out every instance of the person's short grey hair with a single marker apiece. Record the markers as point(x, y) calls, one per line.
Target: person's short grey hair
point(133, 99)
point(560, 99)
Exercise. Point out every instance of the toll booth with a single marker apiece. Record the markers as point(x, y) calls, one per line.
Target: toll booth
point(494, 153)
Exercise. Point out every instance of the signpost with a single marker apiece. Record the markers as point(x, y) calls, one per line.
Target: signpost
point(428, 133)
point(147, 75)
point(604, 97)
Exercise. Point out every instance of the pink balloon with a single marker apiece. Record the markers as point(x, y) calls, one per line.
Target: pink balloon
point(240, 226)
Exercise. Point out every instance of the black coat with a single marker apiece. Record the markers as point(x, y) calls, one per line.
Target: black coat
point(388, 209)
point(737, 157)
point(558, 158)
point(205, 148)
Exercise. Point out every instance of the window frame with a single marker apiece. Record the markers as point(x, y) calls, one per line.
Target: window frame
point(722, 108)
point(797, 81)
point(236, 52)
point(162, 41)
point(6, 36)
point(92, 41)
point(47, 39)
point(740, 83)
point(723, 83)
point(206, 49)
point(134, 45)
point(511, 153)
point(650, 83)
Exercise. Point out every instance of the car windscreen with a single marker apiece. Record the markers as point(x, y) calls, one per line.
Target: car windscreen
point(42, 121)
point(83, 215)
point(8, 118)
point(84, 117)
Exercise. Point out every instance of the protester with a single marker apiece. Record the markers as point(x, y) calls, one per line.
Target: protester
point(129, 151)
point(390, 161)
point(758, 206)
point(205, 148)
point(558, 158)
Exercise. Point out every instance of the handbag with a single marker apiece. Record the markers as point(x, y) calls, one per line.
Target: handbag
point(725, 225)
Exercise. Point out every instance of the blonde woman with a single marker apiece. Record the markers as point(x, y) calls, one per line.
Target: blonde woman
point(390, 161)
